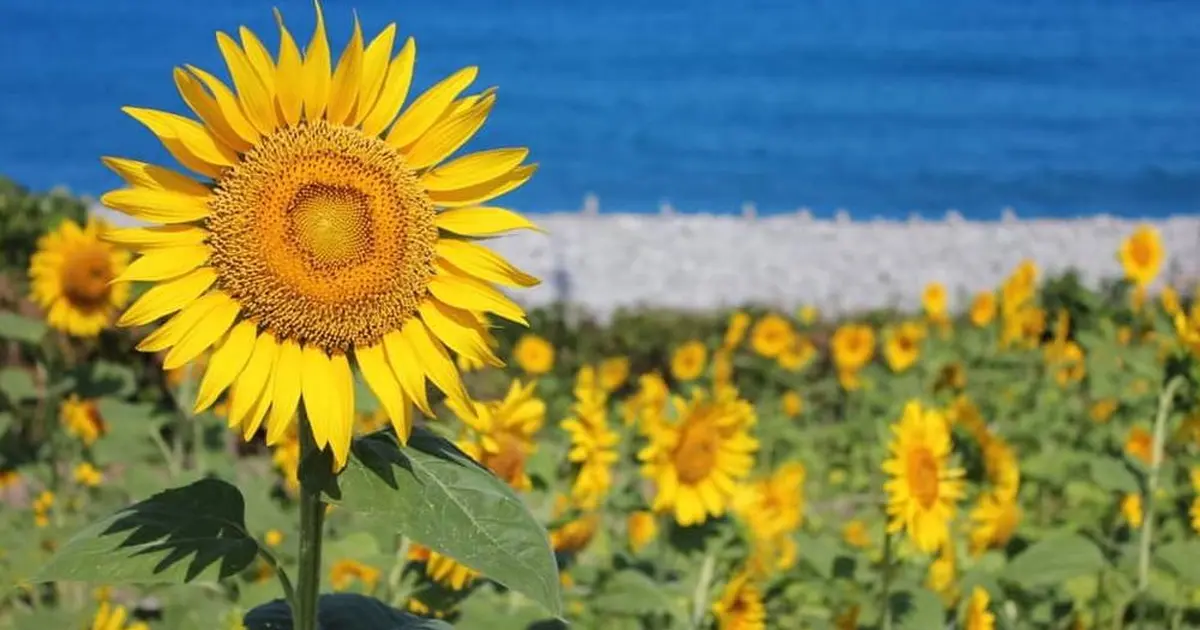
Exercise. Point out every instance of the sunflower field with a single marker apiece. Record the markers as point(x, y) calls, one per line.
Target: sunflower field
point(290, 394)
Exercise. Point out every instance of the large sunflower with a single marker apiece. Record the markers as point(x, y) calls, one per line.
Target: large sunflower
point(71, 278)
point(922, 488)
point(697, 460)
point(325, 233)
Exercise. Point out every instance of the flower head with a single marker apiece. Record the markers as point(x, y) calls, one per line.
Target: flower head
point(771, 335)
point(344, 573)
point(983, 309)
point(533, 354)
point(902, 345)
point(82, 419)
point(922, 488)
point(735, 331)
point(793, 404)
point(1141, 255)
point(1139, 444)
point(71, 276)
point(687, 364)
point(933, 300)
point(501, 433)
point(995, 519)
point(853, 346)
point(88, 475)
point(109, 617)
point(613, 372)
point(978, 616)
point(593, 442)
point(741, 605)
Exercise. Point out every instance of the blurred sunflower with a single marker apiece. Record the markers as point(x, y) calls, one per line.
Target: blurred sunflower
point(722, 367)
point(793, 404)
point(853, 346)
point(771, 335)
point(71, 278)
point(1195, 511)
point(697, 459)
point(87, 475)
point(1139, 444)
point(735, 331)
point(1001, 467)
point(773, 508)
point(109, 617)
point(933, 301)
point(82, 419)
point(688, 361)
point(314, 240)
point(575, 534)
point(649, 400)
point(1018, 289)
point(613, 372)
point(501, 432)
point(922, 489)
point(642, 529)
point(1141, 255)
point(444, 570)
point(798, 354)
point(741, 605)
point(534, 355)
point(1102, 410)
point(902, 345)
point(1066, 361)
point(1131, 509)
point(995, 519)
point(593, 443)
point(808, 314)
point(1169, 298)
point(942, 576)
point(1187, 329)
point(978, 617)
point(855, 533)
point(344, 573)
point(983, 309)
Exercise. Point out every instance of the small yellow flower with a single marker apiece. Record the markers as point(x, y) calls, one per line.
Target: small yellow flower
point(273, 538)
point(771, 336)
point(1131, 509)
point(942, 577)
point(853, 347)
point(978, 616)
point(642, 528)
point(534, 355)
point(82, 419)
point(952, 376)
point(995, 520)
point(849, 380)
point(735, 332)
point(345, 572)
point(808, 315)
point(613, 373)
point(574, 535)
point(1102, 410)
point(109, 617)
point(1141, 255)
point(798, 354)
point(87, 475)
point(773, 508)
point(793, 404)
point(855, 534)
point(983, 309)
point(41, 508)
point(902, 345)
point(1000, 465)
point(687, 364)
point(933, 300)
point(741, 605)
point(722, 367)
point(1170, 301)
point(1139, 444)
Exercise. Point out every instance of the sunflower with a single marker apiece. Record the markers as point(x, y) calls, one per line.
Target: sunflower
point(534, 355)
point(735, 332)
point(773, 509)
point(1169, 298)
point(71, 277)
point(326, 233)
point(808, 314)
point(995, 519)
point(642, 529)
point(722, 367)
point(1017, 290)
point(87, 475)
point(1102, 410)
point(648, 401)
point(1131, 509)
point(853, 346)
point(444, 570)
point(933, 300)
point(593, 443)
point(502, 432)
point(983, 309)
point(771, 336)
point(1001, 467)
point(613, 372)
point(1139, 444)
point(855, 533)
point(922, 490)
point(942, 576)
point(109, 617)
point(697, 459)
point(344, 573)
point(576, 534)
point(687, 363)
point(1141, 255)
point(793, 404)
point(798, 354)
point(741, 605)
point(82, 419)
point(902, 345)
point(978, 617)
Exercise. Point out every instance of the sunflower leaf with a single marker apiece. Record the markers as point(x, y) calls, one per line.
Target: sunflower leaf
point(431, 492)
point(13, 327)
point(341, 611)
point(196, 532)
point(1054, 560)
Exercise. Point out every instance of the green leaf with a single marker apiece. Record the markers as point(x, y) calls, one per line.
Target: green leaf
point(1113, 475)
point(918, 609)
point(342, 611)
point(179, 535)
point(1054, 560)
point(17, 384)
point(1182, 558)
point(103, 378)
point(21, 329)
point(631, 592)
point(436, 495)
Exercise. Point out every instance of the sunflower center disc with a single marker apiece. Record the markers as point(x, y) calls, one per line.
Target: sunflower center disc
point(696, 453)
point(923, 476)
point(324, 236)
point(509, 462)
point(85, 278)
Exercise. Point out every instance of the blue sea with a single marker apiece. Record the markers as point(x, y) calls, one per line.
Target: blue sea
point(1057, 108)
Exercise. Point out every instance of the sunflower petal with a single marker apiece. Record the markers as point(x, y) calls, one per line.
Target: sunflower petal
point(167, 297)
point(155, 236)
point(158, 206)
point(258, 411)
point(479, 193)
point(256, 102)
point(448, 135)
point(316, 70)
point(317, 392)
point(394, 91)
point(204, 334)
point(343, 410)
point(478, 261)
point(472, 295)
point(343, 93)
point(373, 364)
point(374, 70)
point(429, 107)
point(231, 108)
point(403, 361)
point(143, 175)
point(259, 58)
point(483, 221)
point(473, 169)
point(175, 328)
point(253, 380)
point(205, 106)
point(435, 361)
point(459, 330)
point(285, 394)
point(226, 364)
point(288, 76)
point(190, 142)
point(165, 263)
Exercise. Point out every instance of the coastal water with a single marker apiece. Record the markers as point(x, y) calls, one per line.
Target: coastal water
point(1057, 108)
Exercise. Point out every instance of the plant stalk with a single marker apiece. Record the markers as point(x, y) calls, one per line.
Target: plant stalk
point(886, 604)
point(1165, 400)
point(312, 520)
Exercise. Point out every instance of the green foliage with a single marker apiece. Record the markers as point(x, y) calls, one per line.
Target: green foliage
point(24, 216)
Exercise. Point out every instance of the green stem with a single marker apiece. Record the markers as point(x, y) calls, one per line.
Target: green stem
point(886, 606)
point(1165, 400)
point(312, 516)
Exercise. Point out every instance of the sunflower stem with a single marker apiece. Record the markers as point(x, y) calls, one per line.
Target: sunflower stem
point(312, 517)
point(886, 595)
point(1165, 401)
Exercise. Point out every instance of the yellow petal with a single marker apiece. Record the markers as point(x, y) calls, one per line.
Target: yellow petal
point(395, 90)
point(288, 76)
point(155, 236)
point(259, 58)
point(472, 295)
point(343, 410)
point(429, 107)
point(289, 375)
point(231, 107)
point(175, 328)
point(482, 263)
point(459, 330)
point(316, 70)
point(167, 297)
point(473, 169)
point(343, 93)
point(143, 175)
point(158, 206)
point(479, 193)
point(374, 70)
point(372, 362)
point(483, 221)
point(403, 361)
point(164, 263)
point(448, 135)
point(187, 140)
point(254, 418)
point(206, 107)
point(257, 104)
point(317, 392)
point(226, 363)
point(204, 334)
point(433, 359)
point(251, 384)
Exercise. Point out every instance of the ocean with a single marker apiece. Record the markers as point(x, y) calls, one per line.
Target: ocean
point(1056, 108)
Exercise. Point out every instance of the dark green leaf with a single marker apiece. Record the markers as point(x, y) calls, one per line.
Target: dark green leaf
point(179, 535)
point(1054, 560)
point(1113, 475)
point(22, 329)
point(102, 378)
point(918, 609)
point(342, 611)
point(1182, 558)
point(436, 495)
point(17, 384)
